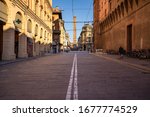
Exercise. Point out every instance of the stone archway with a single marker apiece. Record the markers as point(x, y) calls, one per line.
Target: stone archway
point(3, 19)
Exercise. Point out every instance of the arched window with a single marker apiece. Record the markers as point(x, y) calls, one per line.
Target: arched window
point(30, 4)
point(45, 11)
point(48, 18)
point(131, 3)
point(48, 36)
point(29, 26)
point(119, 11)
point(18, 20)
point(116, 14)
point(45, 35)
point(41, 11)
point(36, 6)
point(122, 9)
point(137, 2)
point(126, 5)
point(41, 33)
point(36, 30)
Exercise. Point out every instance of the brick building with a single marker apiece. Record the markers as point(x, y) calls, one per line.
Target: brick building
point(123, 23)
point(25, 28)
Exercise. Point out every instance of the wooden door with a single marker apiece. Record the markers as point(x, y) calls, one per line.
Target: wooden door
point(16, 43)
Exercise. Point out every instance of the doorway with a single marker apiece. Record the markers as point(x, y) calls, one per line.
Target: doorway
point(16, 43)
point(29, 47)
point(129, 38)
point(1, 40)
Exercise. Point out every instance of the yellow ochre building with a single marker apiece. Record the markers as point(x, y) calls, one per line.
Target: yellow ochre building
point(25, 28)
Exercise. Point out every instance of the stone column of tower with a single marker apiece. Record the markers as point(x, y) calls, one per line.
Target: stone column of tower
point(74, 30)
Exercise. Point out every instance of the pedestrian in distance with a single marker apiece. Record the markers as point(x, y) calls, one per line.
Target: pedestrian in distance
point(121, 52)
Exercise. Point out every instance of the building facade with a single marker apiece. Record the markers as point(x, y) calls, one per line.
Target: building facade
point(58, 31)
point(124, 23)
point(85, 41)
point(67, 42)
point(96, 18)
point(25, 28)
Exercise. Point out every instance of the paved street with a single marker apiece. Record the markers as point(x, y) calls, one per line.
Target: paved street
point(73, 75)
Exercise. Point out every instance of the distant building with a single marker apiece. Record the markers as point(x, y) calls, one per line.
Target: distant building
point(79, 43)
point(67, 42)
point(123, 23)
point(58, 31)
point(85, 41)
point(25, 28)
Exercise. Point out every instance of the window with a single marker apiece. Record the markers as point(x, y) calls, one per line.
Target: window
point(36, 7)
point(18, 20)
point(45, 35)
point(110, 5)
point(36, 30)
point(29, 26)
point(105, 12)
point(41, 33)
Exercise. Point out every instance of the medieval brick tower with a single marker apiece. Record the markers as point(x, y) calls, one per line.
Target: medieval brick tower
point(74, 31)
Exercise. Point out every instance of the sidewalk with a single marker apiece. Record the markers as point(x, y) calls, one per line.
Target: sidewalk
point(5, 62)
point(142, 64)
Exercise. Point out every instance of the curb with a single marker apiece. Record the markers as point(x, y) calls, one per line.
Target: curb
point(23, 59)
point(135, 66)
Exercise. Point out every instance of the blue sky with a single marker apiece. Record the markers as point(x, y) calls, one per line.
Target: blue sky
point(82, 9)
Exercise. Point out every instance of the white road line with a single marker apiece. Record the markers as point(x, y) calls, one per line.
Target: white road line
point(73, 78)
point(75, 95)
point(68, 95)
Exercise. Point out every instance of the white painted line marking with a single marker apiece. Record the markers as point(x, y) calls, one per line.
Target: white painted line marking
point(75, 95)
point(68, 95)
point(73, 78)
